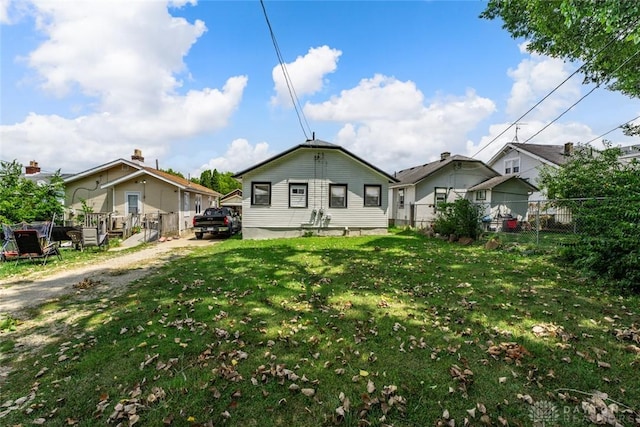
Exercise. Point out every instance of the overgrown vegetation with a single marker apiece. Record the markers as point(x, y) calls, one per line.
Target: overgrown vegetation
point(603, 196)
point(397, 330)
point(460, 218)
point(23, 200)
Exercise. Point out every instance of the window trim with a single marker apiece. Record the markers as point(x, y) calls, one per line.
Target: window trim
point(400, 198)
point(510, 165)
point(435, 197)
point(346, 193)
point(481, 192)
point(306, 194)
point(379, 202)
point(198, 204)
point(186, 204)
point(253, 193)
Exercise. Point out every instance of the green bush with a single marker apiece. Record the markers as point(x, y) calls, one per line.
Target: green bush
point(461, 218)
point(604, 198)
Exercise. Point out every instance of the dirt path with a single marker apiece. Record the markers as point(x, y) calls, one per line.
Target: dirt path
point(110, 275)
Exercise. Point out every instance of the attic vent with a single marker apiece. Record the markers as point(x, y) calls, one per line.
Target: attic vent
point(125, 167)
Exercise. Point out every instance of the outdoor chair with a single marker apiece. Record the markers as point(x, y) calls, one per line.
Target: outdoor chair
point(28, 246)
point(91, 237)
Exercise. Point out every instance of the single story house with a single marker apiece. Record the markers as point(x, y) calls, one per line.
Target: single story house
point(314, 188)
point(127, 189)
point(420, 189)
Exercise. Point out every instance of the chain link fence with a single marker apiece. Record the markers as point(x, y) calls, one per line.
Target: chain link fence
point(555, 222)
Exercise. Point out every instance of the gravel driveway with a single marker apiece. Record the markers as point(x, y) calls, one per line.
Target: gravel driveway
point(110, 275)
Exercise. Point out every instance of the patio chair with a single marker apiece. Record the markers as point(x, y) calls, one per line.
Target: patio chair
point(91, 237)
point(29, 247)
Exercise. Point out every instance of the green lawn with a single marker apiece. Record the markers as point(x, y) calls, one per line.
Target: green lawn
point(397, 330)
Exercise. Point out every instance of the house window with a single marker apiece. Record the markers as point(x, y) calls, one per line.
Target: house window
point(372, 195)
point(261, 193)
point(187, 204)
point(337, 195)
point(198, 203)
point(298, 195)
point(440, 196)
point(133, 202)
point(401, 198)
point(481, 195)
point(511, 166)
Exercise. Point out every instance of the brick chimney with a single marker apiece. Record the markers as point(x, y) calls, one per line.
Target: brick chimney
point(445, 155)
point(568, 148)
point(137, 156)
point(32, 168)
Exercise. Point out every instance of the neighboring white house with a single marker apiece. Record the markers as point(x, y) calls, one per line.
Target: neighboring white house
point(233, 199)
point(422, 188)
point(314, 188)
point(629, 153)
point(526, 160)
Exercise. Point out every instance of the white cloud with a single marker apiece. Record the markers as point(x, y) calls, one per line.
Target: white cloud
point(388, 122)
point(534, 78)
point(126, 58)
point(4, 12)
point(239, 155)
point(306, 74)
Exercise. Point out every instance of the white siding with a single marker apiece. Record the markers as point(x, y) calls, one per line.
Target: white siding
point(317, 168)
point(529, 169)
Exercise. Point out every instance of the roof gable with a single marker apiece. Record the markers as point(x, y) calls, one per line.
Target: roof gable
point(418, 173)
point(315, 144)
point(545, 153)
point(491, 183)
point(101, 168)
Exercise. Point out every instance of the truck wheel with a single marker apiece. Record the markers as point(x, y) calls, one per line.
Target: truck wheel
point(198, 236)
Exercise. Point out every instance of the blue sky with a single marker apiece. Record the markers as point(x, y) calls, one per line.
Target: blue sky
point(197, 85)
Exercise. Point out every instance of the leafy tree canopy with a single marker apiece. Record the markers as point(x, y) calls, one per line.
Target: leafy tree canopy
point(172, 172)
point(223, 182)
point(23, 200)
point(602, 34)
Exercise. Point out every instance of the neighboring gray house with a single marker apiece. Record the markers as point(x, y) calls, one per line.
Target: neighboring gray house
point(415, 198)
point(314, 188)
point(526, 160)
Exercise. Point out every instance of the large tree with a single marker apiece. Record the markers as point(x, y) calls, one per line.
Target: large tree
point(603, 35)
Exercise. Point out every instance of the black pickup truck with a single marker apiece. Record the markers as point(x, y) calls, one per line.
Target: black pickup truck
point(218, 221)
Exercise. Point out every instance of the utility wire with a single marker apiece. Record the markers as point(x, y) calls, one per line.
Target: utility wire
point(614, 39)
point(287, 78)
point(609, 131)
point(580, 100)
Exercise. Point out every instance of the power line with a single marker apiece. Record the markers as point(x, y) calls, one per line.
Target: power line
point(287, 78)
point(580, 100)
point(614, 39)
point(609, 131)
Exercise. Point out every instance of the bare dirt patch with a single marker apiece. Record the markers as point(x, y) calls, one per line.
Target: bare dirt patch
point(96, 281)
